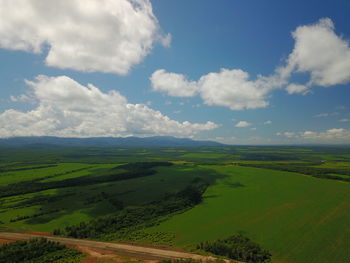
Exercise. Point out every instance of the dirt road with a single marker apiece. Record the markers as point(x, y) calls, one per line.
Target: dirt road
point(116, 247)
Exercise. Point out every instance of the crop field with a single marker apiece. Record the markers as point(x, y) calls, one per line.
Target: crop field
point(298, 218)
point(293, 201)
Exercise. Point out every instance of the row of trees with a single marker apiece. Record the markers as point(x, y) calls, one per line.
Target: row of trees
point(237, 247)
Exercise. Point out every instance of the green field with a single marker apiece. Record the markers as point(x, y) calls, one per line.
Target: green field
point(300, 216)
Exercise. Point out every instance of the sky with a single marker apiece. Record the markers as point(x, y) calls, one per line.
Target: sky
point(234, 71)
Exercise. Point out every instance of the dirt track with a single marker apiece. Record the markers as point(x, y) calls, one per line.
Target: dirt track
point(135, 250)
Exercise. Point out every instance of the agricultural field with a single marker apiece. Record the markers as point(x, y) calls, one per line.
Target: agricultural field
point(297, 217)
point(293, 201)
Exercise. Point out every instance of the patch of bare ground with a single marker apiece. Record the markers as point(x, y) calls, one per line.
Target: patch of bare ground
point(5, 241)
point(158, 246)
point(44, 234)
point(97, 255)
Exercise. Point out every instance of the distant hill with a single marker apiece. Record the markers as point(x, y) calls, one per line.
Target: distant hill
point(156, 141)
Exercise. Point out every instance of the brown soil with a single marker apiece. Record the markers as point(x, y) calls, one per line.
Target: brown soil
point(95, 255)
point(5, 241)
point(158, 246)
point(44, 234)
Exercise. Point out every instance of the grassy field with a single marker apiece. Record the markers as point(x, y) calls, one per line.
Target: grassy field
point(298, 218)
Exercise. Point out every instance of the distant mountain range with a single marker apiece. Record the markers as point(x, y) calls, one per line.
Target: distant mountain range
point(156, 141)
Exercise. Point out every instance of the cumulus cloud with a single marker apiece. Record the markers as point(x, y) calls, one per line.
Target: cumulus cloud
point(173, 84)
point(242, 124)
point(344, 120)
point(296, 88)
point(267, 122)
point(319, 51)
point(90, 35)
point(229, 88)
point(233, 89)
point(68, 109)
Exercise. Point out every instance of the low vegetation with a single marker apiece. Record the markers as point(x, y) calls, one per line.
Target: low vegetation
point(38, 251)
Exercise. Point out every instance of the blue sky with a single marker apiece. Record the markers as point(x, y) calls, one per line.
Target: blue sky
point(239, 72)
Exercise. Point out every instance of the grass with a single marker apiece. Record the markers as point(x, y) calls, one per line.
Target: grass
point(298, 218)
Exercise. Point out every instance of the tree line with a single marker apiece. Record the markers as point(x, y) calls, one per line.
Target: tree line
point(237, 247)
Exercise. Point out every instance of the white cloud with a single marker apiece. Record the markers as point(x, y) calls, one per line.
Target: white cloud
point(326, 114)
point(229, 88)
point(320, 52)
point(289, 134)
point(90, 35)
point(317, 51)
point(336, 135)
point(242, 124)
point(344, 120)
point(67, 108)
point(341, 107)
point(233, 89)
point(166, 40)
point(267, 122)
point(23, 98)
point(173, 84)
point(296, 88)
